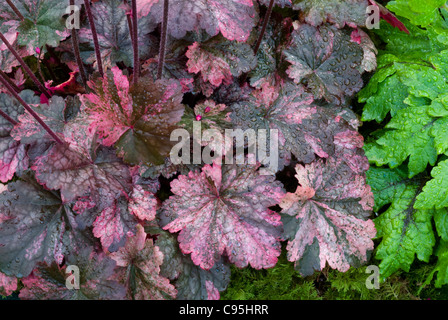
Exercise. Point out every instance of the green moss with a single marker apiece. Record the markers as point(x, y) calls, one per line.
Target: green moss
point(351, 285)
point(284, 283)
point(279, 283)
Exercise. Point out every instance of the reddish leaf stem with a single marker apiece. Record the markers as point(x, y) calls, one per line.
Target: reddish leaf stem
point(13, 85)
point(95, 37)
point(261, 35)
point(39, 68)
point(75, 43)
point(135, 41)
point(31, 111)
point(163, 38)
point(25, 66)
point(16, 11)
point(263, 28)
point(8, 118)
point(131, 28)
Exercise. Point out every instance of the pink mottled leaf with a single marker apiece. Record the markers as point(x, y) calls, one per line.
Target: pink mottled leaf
point(233, 18)
point(7, 284)
point(13, 158)
point(225, 210)
point(326, 219)
point(211, 116)
point(139, 264)
point(13, 155)
point(29, 131)
point(144, 7)
point(219, 60)
point(349, 145)
point(215, 71)
point(36, 227)
point(76, 174)
point(7, 60)
point(143, 203)
point(96, 270)
point(136, 119)
point(212, 292)
point(113, 224)
point(115, 218)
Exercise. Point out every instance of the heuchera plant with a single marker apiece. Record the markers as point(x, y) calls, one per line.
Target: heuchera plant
point(85, 130)
point(408, 96)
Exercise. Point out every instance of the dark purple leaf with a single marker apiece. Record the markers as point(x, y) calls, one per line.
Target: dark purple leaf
point(338, 12)
point(114, 219)
point(192, 282)
point(49, 282)
point(113, 34)
point(36, 227)
point(326, 61)
point(305, 129)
